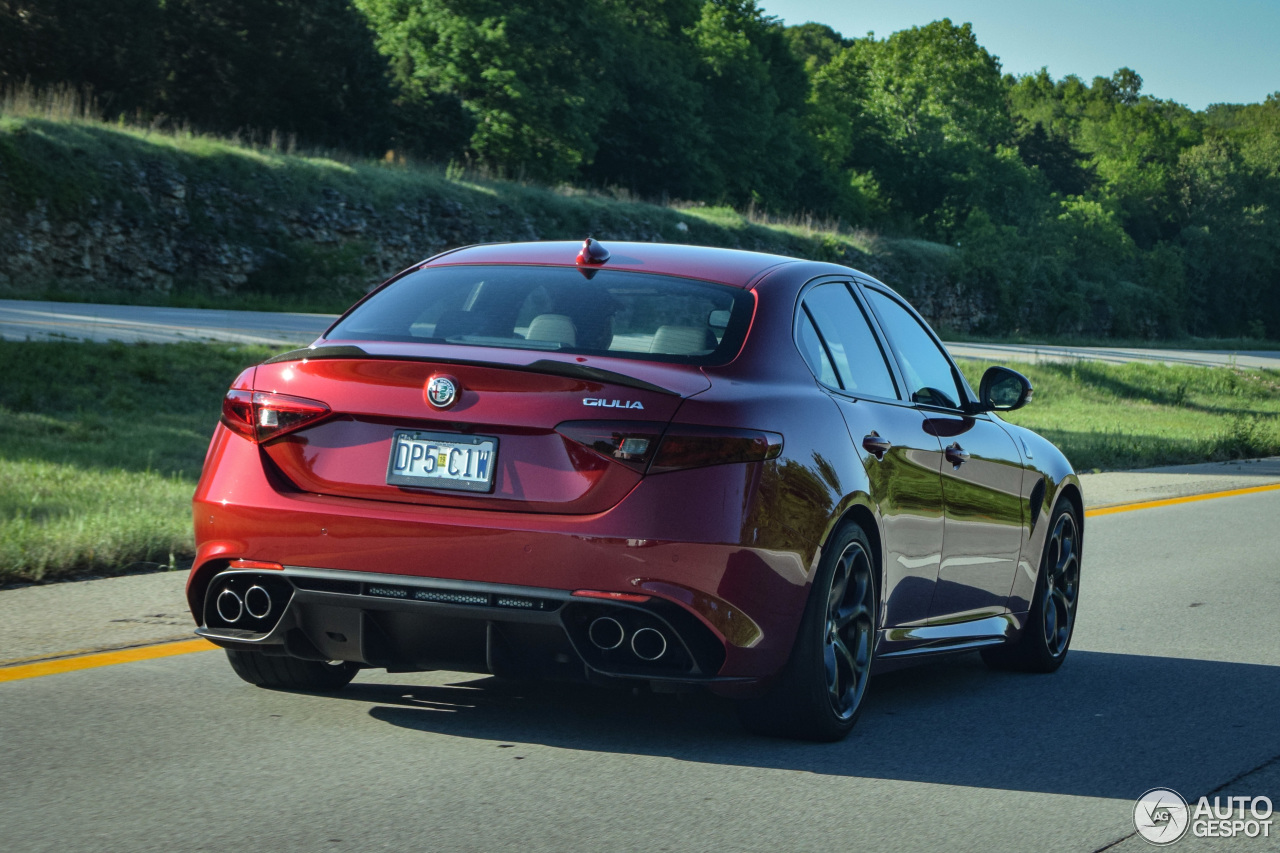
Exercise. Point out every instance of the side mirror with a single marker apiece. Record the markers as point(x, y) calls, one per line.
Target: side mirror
point(1003, 390)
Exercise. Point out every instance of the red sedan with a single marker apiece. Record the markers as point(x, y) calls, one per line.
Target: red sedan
point(632, 464)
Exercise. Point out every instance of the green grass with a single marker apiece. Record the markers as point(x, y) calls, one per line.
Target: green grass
point(1184, 342)
point(100, 449)
point(101, 444)
point(1120, 416)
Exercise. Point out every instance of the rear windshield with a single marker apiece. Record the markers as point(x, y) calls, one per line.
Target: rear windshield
point(626, 314)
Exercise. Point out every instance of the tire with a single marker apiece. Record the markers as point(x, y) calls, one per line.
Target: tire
point(1046, 637)
point(819, 694)
point(289, 673)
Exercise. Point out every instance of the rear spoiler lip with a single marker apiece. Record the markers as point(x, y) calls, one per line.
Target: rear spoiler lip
point(544, 366)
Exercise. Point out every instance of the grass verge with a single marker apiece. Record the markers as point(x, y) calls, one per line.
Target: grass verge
point(100, 448)
point(1136, 415)
point(101, 444)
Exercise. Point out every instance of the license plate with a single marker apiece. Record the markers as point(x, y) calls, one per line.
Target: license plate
point(442, 460)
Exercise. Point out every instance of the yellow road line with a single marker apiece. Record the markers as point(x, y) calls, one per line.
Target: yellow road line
point(91, 650)
point(1230, 493)
point(71, 664)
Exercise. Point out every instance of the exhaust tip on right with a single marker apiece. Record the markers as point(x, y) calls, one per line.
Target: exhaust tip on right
point(257, 602)
point(648, 644)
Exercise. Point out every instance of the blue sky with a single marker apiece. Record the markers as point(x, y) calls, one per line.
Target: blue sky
point(1195, 52)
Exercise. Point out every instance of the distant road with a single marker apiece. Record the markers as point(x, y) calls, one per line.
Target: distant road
point(1115, 355)
point(42, 321)
point(23, 320)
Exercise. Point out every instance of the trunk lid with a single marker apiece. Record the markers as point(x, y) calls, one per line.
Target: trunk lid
point(505, 413)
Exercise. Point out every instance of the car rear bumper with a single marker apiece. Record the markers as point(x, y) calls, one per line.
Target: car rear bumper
point(676, 538)
point(408, 624)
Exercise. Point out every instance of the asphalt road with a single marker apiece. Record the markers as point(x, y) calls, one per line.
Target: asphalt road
point(1173, 680)
point(22, 320)
point(39, 321)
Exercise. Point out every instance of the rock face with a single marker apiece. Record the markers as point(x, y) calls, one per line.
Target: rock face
point(164, 230)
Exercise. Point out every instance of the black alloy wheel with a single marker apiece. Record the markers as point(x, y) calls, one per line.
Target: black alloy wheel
point(821, 691)
point(850, 631)
point(1046, 636)
point(1062, 586)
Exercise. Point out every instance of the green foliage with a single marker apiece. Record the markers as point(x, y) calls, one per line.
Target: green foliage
point(663, 97)
point(1079, 207)
point(923, 112)
point(301, 67)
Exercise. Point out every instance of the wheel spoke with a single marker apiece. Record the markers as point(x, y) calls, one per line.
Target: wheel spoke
point(1066, 556)
point(843, 687)
point(848, 614)
point(862, 646)
point(832, 671)
point(1063, 606)
point(839, 586)
point(1050, 620)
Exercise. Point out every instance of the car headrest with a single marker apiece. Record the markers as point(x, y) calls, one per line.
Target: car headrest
point(553, 327)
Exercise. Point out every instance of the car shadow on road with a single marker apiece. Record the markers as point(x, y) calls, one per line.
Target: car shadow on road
point(1106, 725)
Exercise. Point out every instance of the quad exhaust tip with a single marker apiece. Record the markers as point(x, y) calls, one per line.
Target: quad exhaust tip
point(229, 606)
point(257, 602)
point(606, 633)
point(648, 644)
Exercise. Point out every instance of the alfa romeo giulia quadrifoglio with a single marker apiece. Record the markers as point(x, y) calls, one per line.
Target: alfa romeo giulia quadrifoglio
point(632, 464)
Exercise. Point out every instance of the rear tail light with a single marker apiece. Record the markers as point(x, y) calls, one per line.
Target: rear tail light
point(630, 442)
point(260, 415)
point(644, 447)
point(686, 446)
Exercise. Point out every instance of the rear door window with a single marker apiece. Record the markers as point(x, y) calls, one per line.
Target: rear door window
point(815, 352)
point(854, 351)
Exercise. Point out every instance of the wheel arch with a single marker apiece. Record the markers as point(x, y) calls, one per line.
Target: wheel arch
point(1069, 490)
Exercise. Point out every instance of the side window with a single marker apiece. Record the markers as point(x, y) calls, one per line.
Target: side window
point(815, 355)
point(857, 357)
point(930, 379)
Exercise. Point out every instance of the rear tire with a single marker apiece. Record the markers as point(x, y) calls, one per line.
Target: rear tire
point(819, 694)
point(289, 673)
point(1046, 637)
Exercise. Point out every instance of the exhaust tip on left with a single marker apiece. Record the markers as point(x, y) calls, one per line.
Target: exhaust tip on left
point(230, 606)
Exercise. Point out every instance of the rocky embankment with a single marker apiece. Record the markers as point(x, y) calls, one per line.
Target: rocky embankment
point(148, 227)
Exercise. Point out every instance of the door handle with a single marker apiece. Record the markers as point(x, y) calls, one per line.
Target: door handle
point(875, 445)
point(957, 455)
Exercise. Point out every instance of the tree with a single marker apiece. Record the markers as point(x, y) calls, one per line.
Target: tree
point(654, 140)
point(532, 78)
point(923, 114)
point(298, 66)
point(113, 51)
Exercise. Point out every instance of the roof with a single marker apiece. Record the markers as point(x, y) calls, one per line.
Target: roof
point(723, 266)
